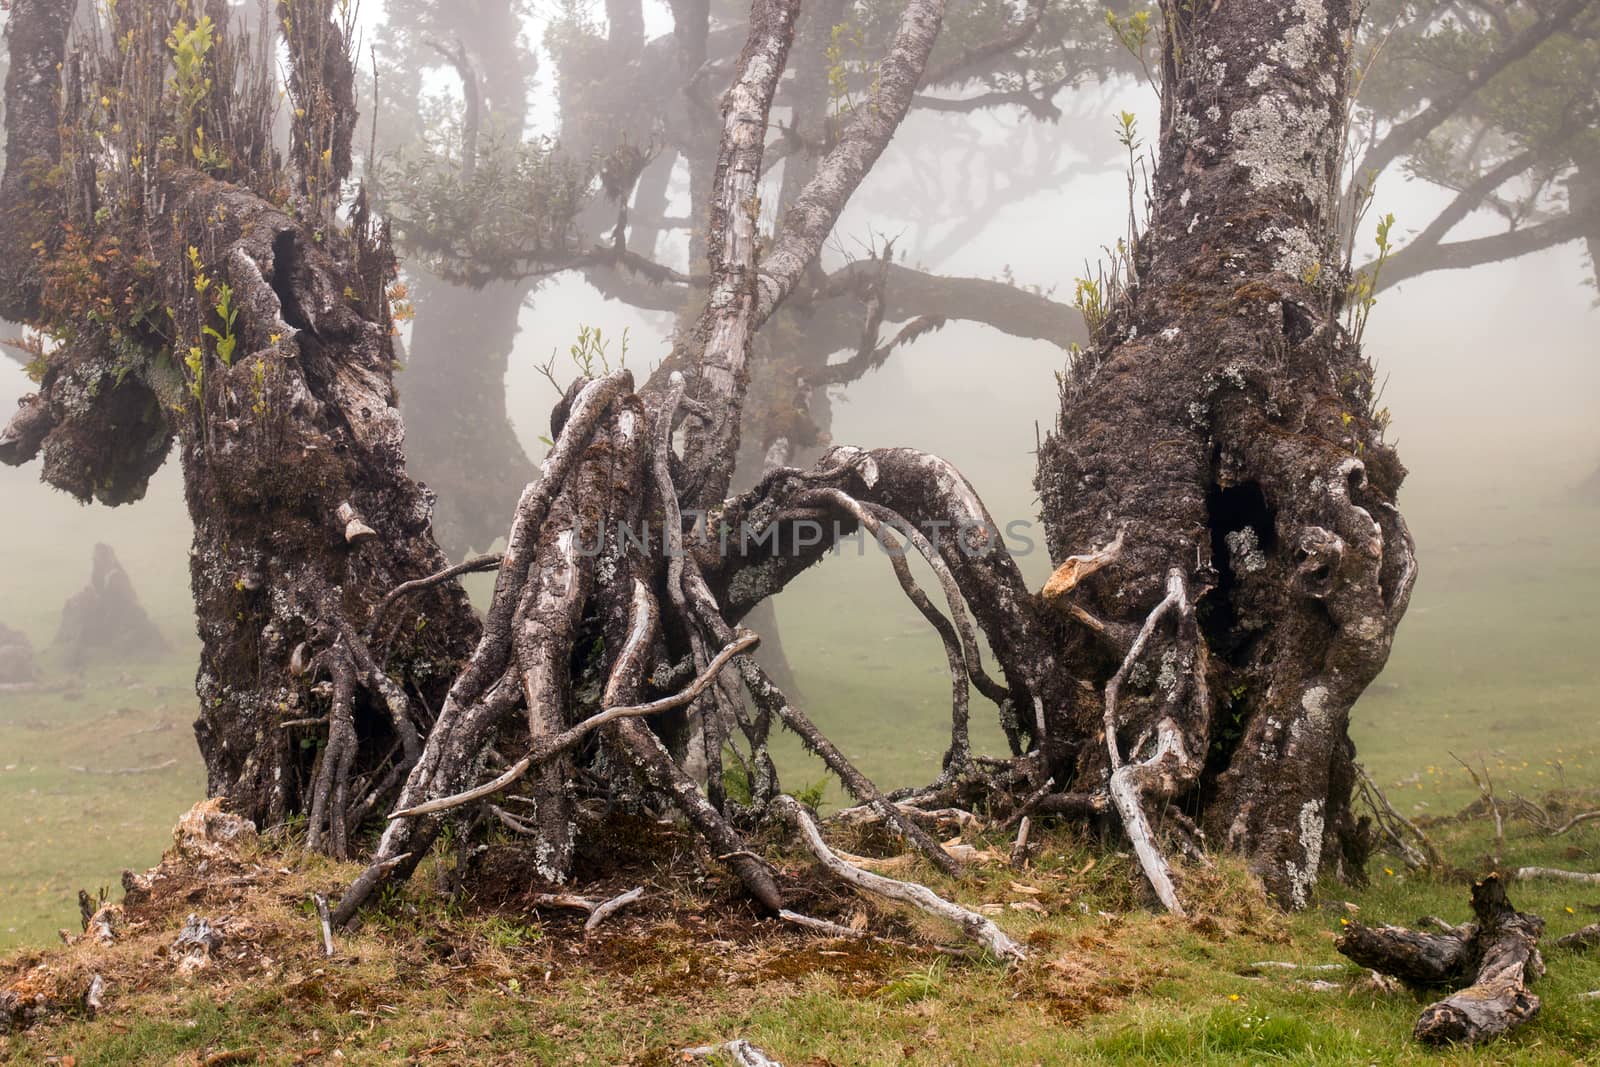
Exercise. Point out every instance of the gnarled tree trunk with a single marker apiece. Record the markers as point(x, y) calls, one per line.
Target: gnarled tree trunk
point(272, 367)
point(1221, 428)
point(1217, 492)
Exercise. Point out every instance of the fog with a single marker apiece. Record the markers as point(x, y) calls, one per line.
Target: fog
point(1492, 377)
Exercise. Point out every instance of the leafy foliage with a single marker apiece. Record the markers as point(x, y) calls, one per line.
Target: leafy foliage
point(515, 215)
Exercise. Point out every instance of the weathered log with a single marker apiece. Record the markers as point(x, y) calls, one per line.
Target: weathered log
point(1416, 958)
point(1582, 939)
point(1498, 955)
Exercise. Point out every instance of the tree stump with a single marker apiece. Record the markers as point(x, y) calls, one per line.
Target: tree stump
point(105, 619)
point(16, 657)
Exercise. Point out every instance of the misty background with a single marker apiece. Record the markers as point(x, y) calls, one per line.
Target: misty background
point(1493, 381)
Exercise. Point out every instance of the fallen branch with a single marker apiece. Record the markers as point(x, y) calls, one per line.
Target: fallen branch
point(973, 925)
point(94, 997)
point(1019, 849)
point(1485, 786)
point(869, 815)
point(605, 909)
point(1529, 874)
point(822, 926)
point(321, 901)
point(126, 770)
point(1581, 940)
point(740, 1051)
point(1498, 955)
point(1392, 823)
point(563, 900)
point(1576, 820)
point(598, 910)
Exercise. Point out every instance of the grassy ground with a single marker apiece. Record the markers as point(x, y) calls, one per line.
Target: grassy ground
point(491, 981)
point(1493, 665)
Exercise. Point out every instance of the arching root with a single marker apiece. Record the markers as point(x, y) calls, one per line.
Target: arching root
point(1169, 764)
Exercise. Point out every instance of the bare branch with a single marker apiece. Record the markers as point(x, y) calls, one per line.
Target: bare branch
point(815, 211)
point(1473, 252)
point(962, 66)
point(472, 119)
point(974, 926)
point(729, 321)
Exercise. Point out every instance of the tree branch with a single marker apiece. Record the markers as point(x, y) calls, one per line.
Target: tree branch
point(1459, 255)
point(1402, 138)
point(815, 211)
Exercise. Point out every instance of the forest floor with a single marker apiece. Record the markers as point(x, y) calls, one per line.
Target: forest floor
point(1494, 665)
point(485, 978)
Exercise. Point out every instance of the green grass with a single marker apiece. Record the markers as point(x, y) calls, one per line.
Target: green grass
point(1107, 983)
point(1493, 664)
point(66, 829)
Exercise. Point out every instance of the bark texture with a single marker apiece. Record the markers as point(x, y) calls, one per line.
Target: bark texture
point(280, 396)
point(1221, 428)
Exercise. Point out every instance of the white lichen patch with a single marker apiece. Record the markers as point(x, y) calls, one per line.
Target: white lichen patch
point(1315, 703)
point(1299, 253)
point(1301, 879)
point(1245, 549)
point(1297, 48)
point(1282, 145)
point(1167, 680)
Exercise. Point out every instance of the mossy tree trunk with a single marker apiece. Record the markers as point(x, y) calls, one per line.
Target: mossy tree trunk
point(1222, 427)
point(240, 319)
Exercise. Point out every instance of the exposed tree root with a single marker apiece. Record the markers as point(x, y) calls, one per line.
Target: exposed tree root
point(739, 1051)
point(1169, 767)
point(973, 925)
point(549, 748)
